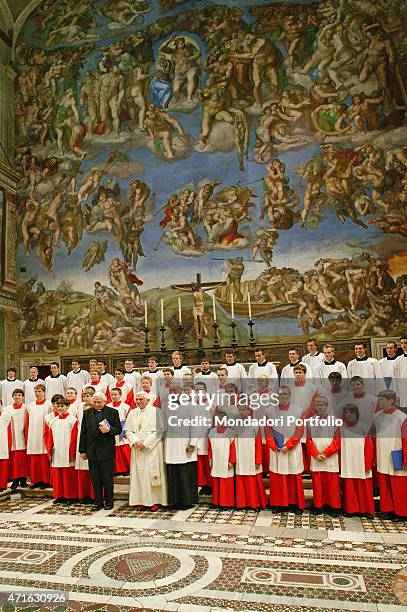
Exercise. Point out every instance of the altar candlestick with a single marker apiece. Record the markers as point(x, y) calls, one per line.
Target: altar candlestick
point(145, 314)
point(232, 305)
point(179, 311)
point(162, 312)
point(214, 307)
point(250, 306)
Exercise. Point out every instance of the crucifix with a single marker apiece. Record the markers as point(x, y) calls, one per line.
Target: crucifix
point(198, 310)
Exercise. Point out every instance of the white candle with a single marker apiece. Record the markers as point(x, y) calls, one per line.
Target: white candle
point(179, 311)
point(162, 312)
point(250, 306)
point(214, 307)
point(145, 314)
point(232, 305)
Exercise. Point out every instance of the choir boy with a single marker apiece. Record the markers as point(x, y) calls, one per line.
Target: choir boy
point(330, 364)
point(77, 378)
point(131, 375)
point(5, 445)
point(18, 464)
point(51, 415)
point(8, 385)
point(323, 443)
point(163, 388)
point(260, 410)
point(303, 395)
point(250, 491)
point(206, 414)
point(97, 383)
point(262, 367)
point(153, 372)
point(61, 448)
point(356, 464)
point(337, 394)
point(222, 458)
point(72, 397)
point(387, 363)
point(391, 435)
point(236, 371)
point(122, 451)
point(367, 368)
point(148, 386)
point(127, 392)
point(287, 373)
point(55, 382)
point(38, 463)
point(105, 377)
point(85, 489)
point(303, 391)
point(30, 383)
point(179, 369)
point(365, 402)
point(207, 376)
point(286, 457)
point(222, 375)
point(314, 357)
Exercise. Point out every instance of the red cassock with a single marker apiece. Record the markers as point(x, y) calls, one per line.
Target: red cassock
point(286, 487)
point(84, 484)
point(127, 393)
point(5, 445)
point(83, 479)
point(250, 491)
point(38, 463)
point(391, 434)
point(47, 420)
point(325, 474)
point(61, 448)
point(204, 471)
point(122, 451)
point(222, 457)
point(356, 474)
point(18, 465)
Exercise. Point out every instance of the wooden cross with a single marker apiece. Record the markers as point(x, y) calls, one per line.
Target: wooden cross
point(200, 284)
point(197, 288)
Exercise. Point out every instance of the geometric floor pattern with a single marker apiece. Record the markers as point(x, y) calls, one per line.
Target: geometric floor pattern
point(199, 560)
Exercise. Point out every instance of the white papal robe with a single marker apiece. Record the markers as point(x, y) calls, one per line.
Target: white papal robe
point(148, 485)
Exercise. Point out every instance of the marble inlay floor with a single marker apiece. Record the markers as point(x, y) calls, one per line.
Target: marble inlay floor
point(201, 559)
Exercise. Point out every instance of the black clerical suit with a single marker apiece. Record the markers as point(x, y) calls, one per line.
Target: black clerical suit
point(100, 450)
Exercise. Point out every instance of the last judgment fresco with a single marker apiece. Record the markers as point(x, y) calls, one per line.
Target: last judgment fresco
point(260, 144)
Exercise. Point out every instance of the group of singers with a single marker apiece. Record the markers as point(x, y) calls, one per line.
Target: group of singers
point(224, 432)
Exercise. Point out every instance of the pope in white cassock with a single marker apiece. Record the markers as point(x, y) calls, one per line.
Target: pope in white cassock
point(144, 430)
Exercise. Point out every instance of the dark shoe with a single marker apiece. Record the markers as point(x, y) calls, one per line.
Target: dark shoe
point(108, 506)
point(59, 500)
point(36, 485)
point(14, 485)
point(206, 490)
point(23, 482)
point(97, 506)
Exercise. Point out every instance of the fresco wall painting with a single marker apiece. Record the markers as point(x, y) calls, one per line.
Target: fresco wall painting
point(262, 145)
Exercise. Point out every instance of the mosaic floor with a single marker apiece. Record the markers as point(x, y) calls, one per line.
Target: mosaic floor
point(201, 559)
